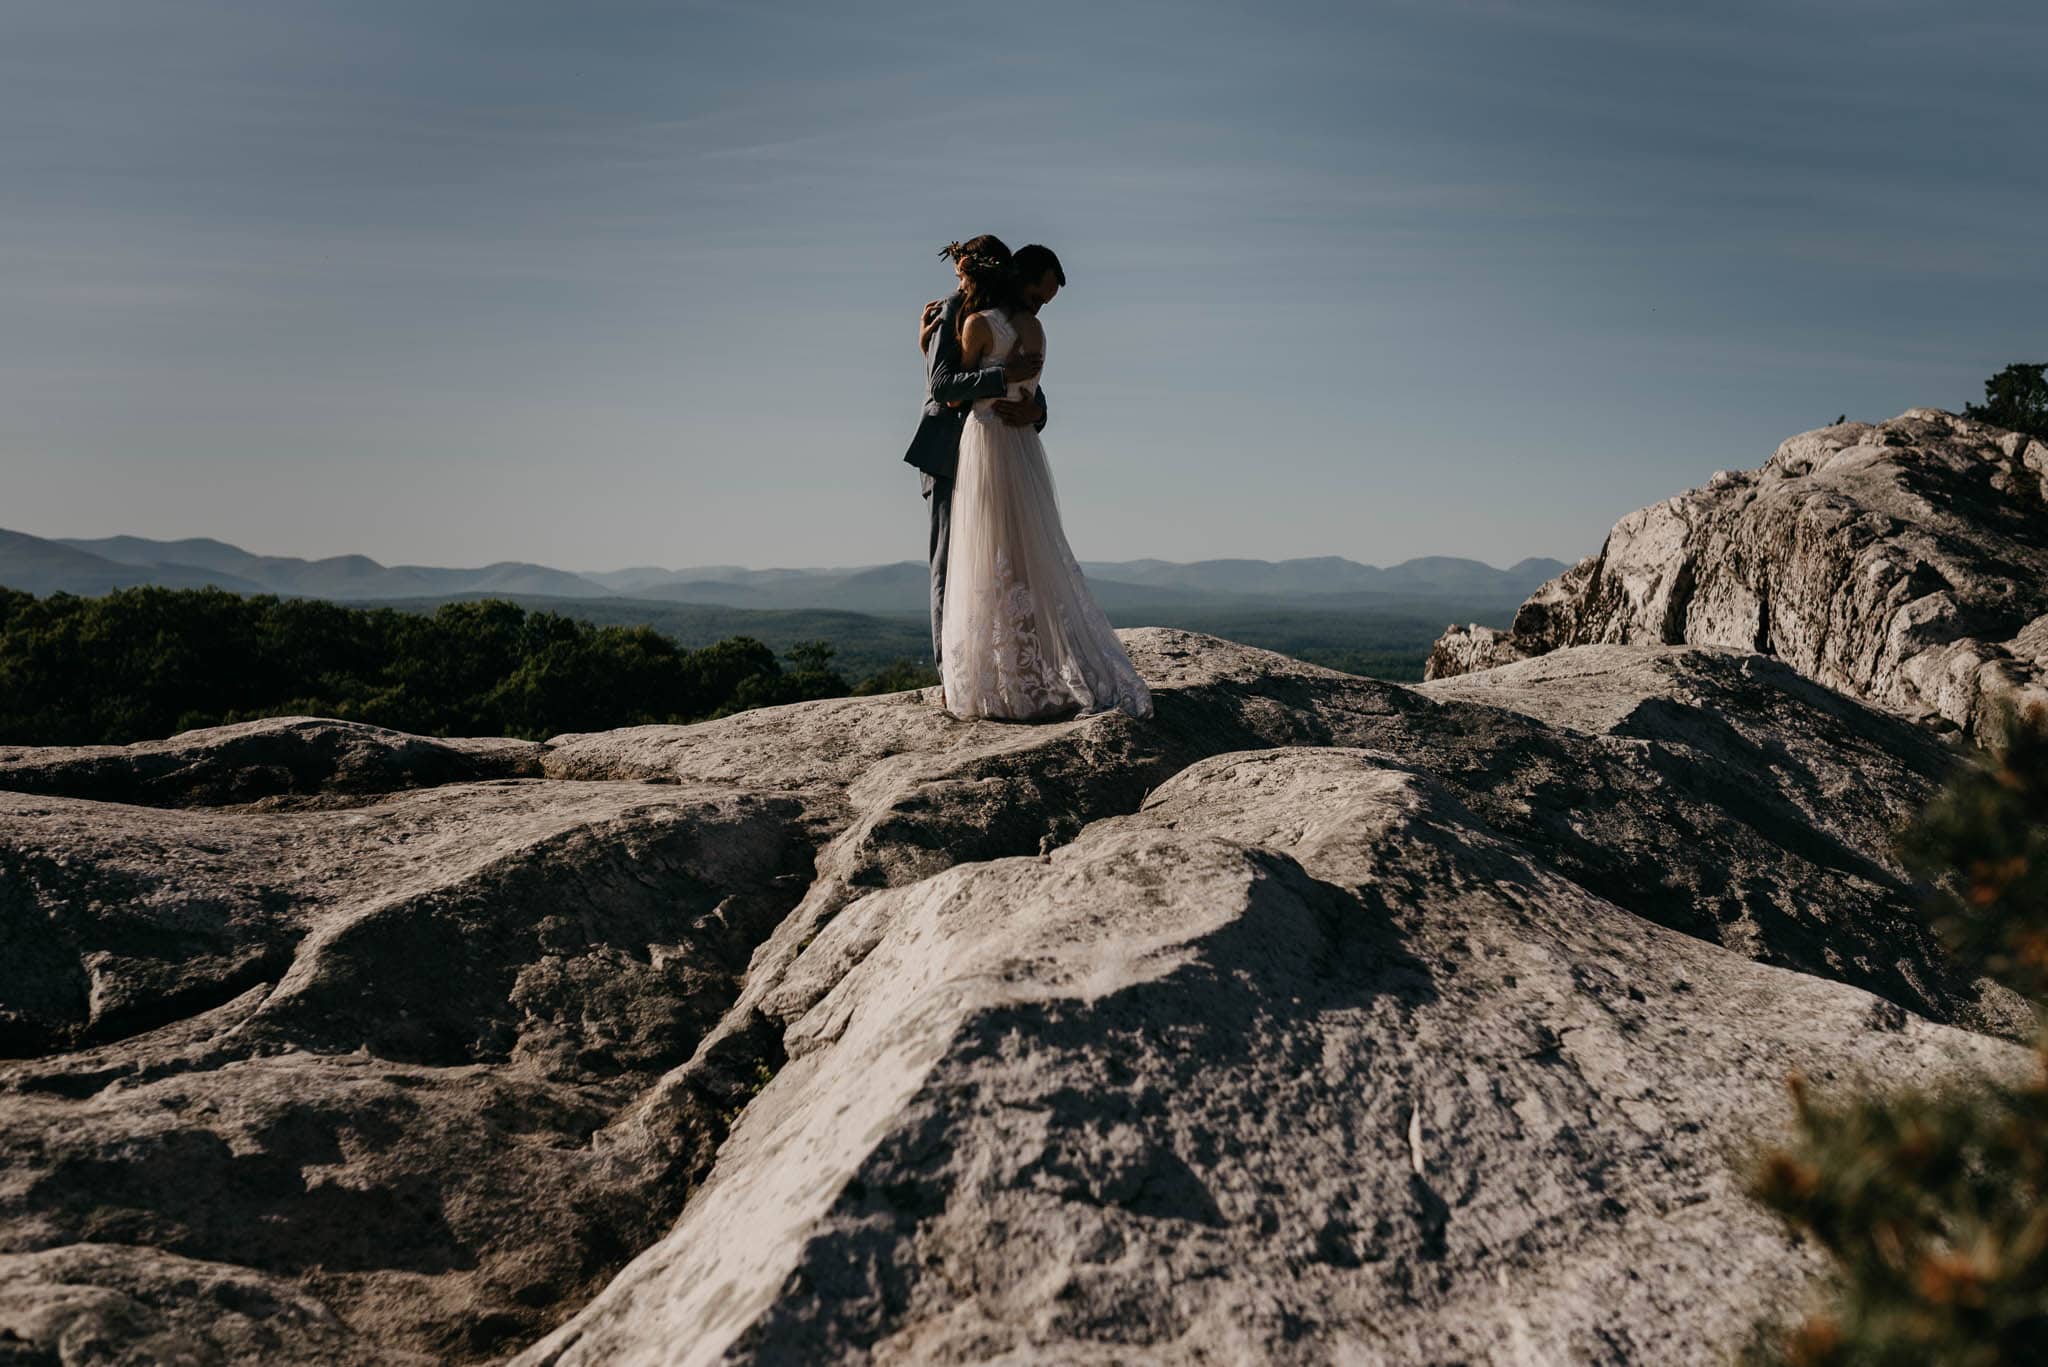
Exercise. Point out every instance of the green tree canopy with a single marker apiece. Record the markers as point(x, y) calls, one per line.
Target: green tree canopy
point(2017, 398)
point(146, 662)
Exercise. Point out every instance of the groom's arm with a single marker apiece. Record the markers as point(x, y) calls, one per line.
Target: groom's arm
point(944, 380)
point(1017, 412)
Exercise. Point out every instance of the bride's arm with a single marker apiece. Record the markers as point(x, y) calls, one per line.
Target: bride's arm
point(975, 338)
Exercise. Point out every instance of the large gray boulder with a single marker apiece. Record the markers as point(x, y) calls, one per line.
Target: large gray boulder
point(1904, 563)
point(1302, 1062)
point(1315, 1015)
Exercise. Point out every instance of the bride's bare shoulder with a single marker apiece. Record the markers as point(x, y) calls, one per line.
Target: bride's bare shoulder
point(1030, 332)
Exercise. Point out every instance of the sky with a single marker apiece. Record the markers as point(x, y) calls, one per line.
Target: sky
point(624, 283)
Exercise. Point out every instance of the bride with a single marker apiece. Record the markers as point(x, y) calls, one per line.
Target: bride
point(1022, 638)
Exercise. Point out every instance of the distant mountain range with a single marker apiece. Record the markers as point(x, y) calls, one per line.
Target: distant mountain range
point(73, 565)
point(48, 565)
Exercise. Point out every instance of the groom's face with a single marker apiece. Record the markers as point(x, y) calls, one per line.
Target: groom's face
point(1039, 292)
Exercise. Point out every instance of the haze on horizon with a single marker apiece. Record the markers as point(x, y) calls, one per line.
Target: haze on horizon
point(634, 283)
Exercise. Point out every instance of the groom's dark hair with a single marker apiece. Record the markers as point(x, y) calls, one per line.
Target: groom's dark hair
point(1033, 260)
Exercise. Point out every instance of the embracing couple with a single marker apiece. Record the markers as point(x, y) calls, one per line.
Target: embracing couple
point(1015, 633)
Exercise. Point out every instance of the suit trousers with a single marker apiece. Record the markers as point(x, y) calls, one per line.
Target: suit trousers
point(939, 494)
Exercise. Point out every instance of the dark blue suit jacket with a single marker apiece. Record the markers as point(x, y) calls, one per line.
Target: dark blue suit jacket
point(935, 448)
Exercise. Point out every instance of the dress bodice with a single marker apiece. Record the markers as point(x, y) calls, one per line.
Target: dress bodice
point(1005, 337)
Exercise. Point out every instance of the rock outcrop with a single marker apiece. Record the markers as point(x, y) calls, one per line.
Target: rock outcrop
point(1904, 563)
point(1300, 1063)
point(291, 762)
point(1316, 1016)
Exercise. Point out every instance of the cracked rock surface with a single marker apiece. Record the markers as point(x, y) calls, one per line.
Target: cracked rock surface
point(1905, 563)
point(1300, 1063)
point(1317, 1015)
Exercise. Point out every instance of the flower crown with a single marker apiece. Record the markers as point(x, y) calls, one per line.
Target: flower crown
point(978, 263)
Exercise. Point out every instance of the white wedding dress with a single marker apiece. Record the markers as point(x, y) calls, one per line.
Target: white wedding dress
point(1022, 638)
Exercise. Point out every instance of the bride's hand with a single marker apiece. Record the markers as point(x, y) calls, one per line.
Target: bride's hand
point(928, 323)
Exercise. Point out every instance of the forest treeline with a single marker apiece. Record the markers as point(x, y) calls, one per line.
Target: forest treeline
point(147, 662)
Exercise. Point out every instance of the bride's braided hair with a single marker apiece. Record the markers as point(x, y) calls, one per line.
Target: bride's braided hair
point(992, 281)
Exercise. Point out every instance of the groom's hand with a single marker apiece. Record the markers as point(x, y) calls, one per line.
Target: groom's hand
point(1019, 366)
point(1017, 412)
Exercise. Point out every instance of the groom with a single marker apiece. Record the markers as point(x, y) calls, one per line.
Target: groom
point(950, 391)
